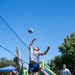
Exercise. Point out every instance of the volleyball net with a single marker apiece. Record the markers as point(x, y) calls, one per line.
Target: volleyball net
point(9, 40)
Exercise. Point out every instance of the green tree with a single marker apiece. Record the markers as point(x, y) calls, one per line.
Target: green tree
point(55, 65)
point(67, 56)
point(5, 62)
point(67, 50)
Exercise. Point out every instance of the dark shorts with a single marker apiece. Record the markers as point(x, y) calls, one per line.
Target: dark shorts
point(34, 67)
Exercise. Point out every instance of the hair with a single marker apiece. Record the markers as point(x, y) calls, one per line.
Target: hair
point(15, 59)
point(37, 47)
point(64, 64)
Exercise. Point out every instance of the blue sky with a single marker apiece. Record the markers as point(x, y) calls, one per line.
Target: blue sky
point(52, 21)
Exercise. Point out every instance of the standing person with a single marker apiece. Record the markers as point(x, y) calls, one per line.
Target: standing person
point(65, 71)
point(34, 58)
point(18, 62)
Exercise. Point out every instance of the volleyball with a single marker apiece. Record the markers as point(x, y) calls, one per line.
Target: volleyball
point(30, 30)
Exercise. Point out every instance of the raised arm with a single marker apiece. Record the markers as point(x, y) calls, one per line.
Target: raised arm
point(43, 53)
point(18, 53)
point(31, 43)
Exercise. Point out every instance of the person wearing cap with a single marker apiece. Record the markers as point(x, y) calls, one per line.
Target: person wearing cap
point(34, 58)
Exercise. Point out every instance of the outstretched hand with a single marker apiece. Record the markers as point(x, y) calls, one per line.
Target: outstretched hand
point(32, 42)
point(48, 47)
point(34, 39)
point(17, 49)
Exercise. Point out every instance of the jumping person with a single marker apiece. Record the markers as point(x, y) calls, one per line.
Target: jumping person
point(18, 62)
point(34, 59)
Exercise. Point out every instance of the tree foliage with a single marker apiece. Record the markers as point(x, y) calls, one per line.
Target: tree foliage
point(55, 65)
point(5, 62)
point(67, 50)
point(67, 56)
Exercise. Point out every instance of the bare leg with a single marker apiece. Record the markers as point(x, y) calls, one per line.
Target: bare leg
point(42, 72)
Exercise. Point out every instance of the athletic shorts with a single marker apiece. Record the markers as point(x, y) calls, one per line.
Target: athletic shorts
point(34, 67)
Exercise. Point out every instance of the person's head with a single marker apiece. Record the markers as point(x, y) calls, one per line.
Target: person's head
point(64, 66)
point(36, 48)
point(16, 59)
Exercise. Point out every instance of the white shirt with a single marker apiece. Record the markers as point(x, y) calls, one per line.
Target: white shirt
point(65, 72)
point(34, 55)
